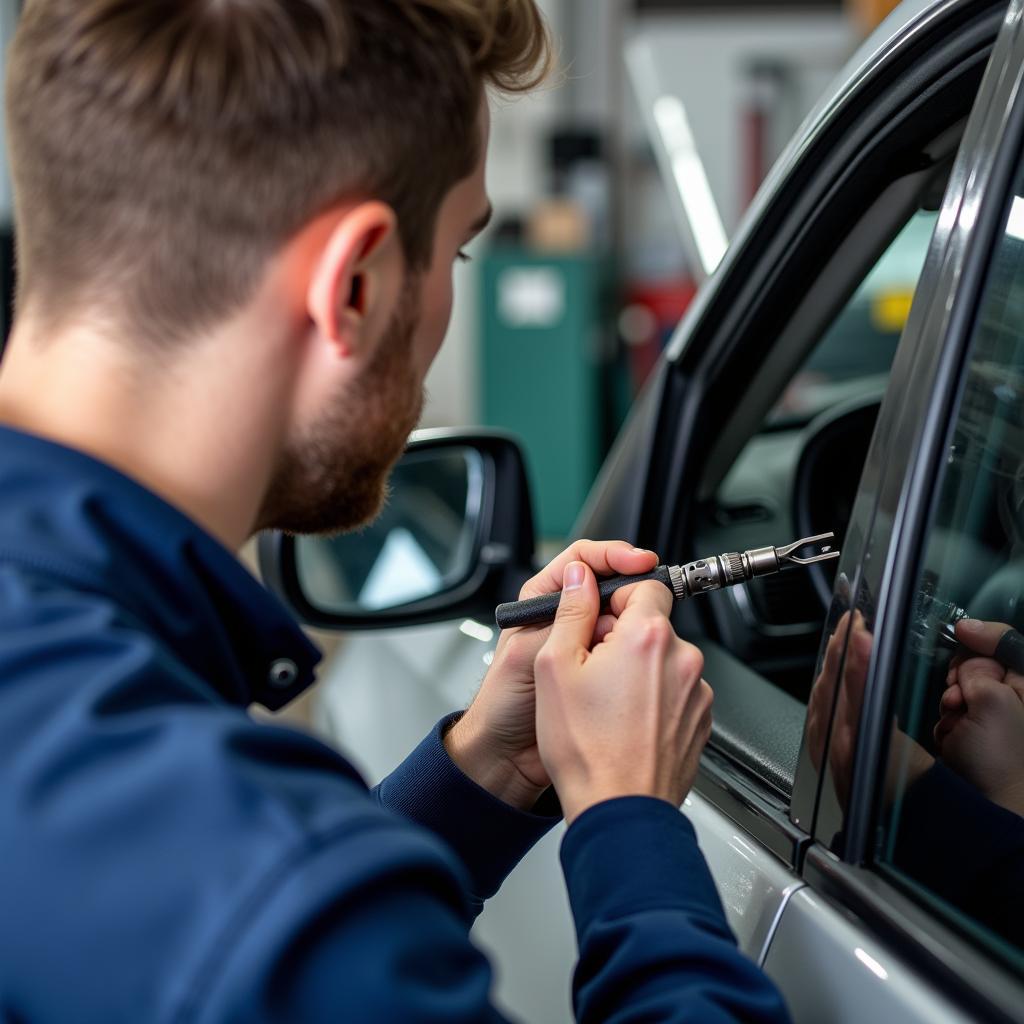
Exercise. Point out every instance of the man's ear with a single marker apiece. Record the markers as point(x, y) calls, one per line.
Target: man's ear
point(357, 277)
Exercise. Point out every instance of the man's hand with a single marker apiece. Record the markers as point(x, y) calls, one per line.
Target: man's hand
point(495, 742)
point(621, 708)
point(981, 732)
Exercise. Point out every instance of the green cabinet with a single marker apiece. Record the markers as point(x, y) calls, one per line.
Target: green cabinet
point(542, 338)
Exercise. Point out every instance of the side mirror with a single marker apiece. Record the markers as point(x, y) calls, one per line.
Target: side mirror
point(455, 539)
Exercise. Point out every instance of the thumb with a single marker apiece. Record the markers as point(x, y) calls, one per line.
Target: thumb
point(981, 637)
point(578, 610)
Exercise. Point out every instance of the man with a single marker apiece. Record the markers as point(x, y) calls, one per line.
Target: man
point(237, 221)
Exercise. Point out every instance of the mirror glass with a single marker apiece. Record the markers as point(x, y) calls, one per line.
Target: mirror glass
point(420, 546)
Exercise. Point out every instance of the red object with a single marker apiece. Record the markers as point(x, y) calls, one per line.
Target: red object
point(667, 301)
point(755, 136)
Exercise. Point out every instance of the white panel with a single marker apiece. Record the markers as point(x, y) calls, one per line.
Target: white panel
point(831, 973)
point(750, 881)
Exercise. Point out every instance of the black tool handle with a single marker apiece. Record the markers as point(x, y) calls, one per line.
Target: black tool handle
point(536, 610)
point(1010, 651)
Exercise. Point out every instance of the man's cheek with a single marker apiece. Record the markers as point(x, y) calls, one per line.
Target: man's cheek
point(433, 329)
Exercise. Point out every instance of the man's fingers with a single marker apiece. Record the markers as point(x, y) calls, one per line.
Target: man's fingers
point(640, 599)
point(605, 625)
point(943, 727)
point(978, 677)
point(604, 557)
point(576, 619)
point(981, 637)
point(833, 652)
point(952, 700)
point(1016, 683)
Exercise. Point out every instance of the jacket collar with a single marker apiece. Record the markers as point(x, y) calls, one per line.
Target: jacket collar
point(67, 514)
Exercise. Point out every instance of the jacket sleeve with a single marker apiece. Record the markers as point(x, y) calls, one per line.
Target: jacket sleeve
point(653, 940)
point(488, 835)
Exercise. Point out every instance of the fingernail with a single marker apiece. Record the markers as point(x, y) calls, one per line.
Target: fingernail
point(642, 551)
point(971, 625)
point(573, 576)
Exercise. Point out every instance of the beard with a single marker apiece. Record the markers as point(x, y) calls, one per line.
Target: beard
point(334, 477)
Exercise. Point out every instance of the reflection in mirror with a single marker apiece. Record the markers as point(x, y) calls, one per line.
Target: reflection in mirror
point(421, 545)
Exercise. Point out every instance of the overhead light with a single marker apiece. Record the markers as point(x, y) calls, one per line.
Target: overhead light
point(692, 181)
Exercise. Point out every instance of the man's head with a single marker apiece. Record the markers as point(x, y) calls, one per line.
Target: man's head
point(174, 159)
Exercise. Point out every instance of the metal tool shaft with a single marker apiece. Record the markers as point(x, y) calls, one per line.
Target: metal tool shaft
point(698, 577)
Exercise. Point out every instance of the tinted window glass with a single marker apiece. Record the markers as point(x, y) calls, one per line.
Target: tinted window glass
point(952, 829)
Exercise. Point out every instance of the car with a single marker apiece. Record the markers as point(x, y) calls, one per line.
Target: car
point(864, 859)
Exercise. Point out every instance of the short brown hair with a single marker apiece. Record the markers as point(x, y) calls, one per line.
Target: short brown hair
point(163, 150)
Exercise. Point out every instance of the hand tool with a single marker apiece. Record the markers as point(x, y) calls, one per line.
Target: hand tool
point(698, 577)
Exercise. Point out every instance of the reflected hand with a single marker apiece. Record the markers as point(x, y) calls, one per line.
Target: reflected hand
point(845, 695)
point(908, 760)
point(495, 742)
point(981, 732)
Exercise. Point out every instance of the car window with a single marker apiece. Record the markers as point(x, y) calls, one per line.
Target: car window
point(952, 826)
point(798, 475)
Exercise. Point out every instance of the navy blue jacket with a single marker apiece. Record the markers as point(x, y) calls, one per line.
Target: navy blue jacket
point(164, 857)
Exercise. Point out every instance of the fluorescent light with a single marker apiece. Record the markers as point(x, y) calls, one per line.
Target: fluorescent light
point(692, 181)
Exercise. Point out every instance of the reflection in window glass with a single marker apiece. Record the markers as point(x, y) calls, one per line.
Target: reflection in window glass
point(953, 825)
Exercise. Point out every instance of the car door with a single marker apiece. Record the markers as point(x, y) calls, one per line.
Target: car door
point(916, 872)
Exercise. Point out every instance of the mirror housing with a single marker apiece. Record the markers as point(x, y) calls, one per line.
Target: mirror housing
point(498, 540)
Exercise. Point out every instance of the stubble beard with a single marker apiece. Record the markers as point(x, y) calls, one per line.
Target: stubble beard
point(334, 478)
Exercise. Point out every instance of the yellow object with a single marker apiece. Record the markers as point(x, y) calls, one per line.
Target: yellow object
point(889, 310)
point(558, 226)
point(870, 13)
